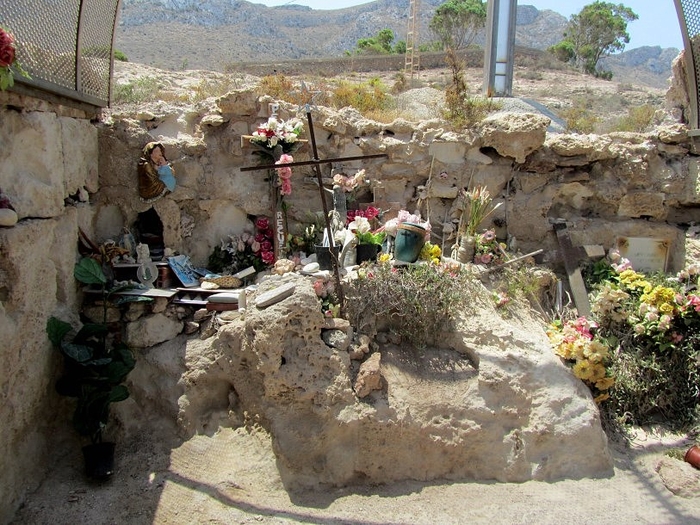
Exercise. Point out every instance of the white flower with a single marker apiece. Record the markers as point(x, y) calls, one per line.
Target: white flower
point(360, 225)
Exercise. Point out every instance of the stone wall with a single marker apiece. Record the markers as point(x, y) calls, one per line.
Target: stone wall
point(604, 186)
point(47, 153)
point(622, 184)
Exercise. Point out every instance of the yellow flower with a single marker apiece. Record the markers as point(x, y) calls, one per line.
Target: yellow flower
point(583, 369)
point(384, 257)
point(605, 383)
point(597, 373)
point(602, 397)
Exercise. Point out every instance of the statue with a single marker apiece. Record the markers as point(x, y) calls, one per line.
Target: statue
point(156, 175)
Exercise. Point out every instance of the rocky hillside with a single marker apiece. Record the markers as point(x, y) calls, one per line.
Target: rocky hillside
point(190, 34)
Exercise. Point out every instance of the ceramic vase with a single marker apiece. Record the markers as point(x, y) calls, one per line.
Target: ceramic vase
point(410, 238)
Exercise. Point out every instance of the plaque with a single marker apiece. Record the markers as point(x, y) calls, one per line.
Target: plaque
point(644, 253)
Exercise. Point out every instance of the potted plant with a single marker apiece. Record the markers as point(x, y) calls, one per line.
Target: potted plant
point(95, 367)
point(369, 242)
point(478, 207)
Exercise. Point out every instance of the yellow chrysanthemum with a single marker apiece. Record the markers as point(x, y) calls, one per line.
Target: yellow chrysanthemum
point(605, 383)
point(602, 397)
point(583, 369)
point(597, 372)
point(384, 257)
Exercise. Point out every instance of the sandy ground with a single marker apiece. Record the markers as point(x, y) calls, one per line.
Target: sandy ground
point(231, 478)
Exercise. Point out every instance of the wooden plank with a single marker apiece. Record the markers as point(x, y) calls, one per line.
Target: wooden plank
point(571, 263)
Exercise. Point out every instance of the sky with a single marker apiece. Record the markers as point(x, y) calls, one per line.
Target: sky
point(657, 24)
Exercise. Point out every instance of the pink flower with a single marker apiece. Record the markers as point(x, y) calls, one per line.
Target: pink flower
point(255, 246)
point(371, 212)
point(486, 258)
point(7, 49)
point(319, 288)
point(285, 174)
point(259, 237)
point(488, 236)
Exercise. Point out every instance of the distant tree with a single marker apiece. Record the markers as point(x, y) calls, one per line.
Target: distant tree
point(457, 22)
point(598, 30)
point(380, 44)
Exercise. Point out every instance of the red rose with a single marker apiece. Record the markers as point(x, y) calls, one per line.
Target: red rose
point(268, 257)
point(266, 246)
point(7, 49)
point(261, 223)
point(371, 212)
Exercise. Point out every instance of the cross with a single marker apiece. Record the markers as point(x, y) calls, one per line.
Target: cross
point(316, 163)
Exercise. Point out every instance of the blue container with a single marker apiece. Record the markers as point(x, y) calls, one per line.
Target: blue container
point(410, 239)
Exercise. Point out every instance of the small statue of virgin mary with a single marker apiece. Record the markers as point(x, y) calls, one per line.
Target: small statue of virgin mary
point(156, 174)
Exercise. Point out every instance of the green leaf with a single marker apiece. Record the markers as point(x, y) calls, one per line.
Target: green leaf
point(88, 271)
point(78, 353)
point(118, 393)
point(57, 330)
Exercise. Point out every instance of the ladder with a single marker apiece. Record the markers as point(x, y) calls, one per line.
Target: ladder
point(412, 63)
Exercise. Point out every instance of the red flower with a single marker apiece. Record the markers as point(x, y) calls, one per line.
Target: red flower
point(259, 237)
point(7, 49)
point(371, 212)
point(268, 233)
point(266, 246)
point(268, 257)
point(262, 223)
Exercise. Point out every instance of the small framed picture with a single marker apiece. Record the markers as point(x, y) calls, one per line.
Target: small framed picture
point(182, 267)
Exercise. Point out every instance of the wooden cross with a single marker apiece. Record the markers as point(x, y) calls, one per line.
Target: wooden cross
point(316, 163)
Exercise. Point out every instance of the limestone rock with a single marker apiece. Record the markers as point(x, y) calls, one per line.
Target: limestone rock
point(336, 339)
point(514, 134)
point(369, 377)
point(151, 330)
point(680, 477)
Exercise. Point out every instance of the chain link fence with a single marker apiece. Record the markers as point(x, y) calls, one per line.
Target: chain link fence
point(689, 19)
point(64, 45)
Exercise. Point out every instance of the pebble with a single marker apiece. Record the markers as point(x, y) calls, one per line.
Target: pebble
point(8, 217)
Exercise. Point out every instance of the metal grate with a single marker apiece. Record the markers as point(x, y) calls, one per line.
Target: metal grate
point(689, 19)
point(64, 45)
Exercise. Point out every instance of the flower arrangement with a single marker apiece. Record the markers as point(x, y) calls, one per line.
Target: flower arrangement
point(370, 213)
point(8, 60)
point(651, 323)
point(242, 251)
point(487, 249)
point(430, 252)
point(276, 137)
point(350, 183)
point(284, 174)
point(392, 225)
point(325, 290)
point(363, 231)
point(477, 204)
point(575, 342)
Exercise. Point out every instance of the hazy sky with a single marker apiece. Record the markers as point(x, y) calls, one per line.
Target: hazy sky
point(657, 24)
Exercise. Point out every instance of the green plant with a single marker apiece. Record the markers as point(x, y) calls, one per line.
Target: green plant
point(144, 89)
point(95, 365)
point(651, 324)
point(414, 302)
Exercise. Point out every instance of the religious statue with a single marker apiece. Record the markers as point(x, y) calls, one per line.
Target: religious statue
point(156, 174)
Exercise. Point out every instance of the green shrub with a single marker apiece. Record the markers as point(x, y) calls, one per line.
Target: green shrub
point(144, 89)
point(367, 96)
point(414, 302)
point(638, 119)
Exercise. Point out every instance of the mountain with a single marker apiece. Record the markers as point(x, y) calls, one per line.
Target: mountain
point(212, 34)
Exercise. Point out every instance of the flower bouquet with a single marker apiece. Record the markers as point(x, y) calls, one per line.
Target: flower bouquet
point(487, 249)
point(277, 137)
point(247, 249)
point(8, 61)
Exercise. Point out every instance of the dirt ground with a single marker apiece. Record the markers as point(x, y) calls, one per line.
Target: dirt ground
point(231, 478)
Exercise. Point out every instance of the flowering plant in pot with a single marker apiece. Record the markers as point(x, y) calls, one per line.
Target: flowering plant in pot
point(95, 368)
point(368, 242)
point(476, 206)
